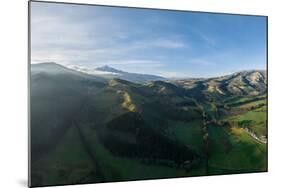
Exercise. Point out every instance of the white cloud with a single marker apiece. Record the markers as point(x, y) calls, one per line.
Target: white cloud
point(92, 38)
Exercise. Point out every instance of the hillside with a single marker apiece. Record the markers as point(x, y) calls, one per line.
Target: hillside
point(241, 83)
point(87, 128)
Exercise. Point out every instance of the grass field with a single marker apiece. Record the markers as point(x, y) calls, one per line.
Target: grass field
point(253, 118)
point(234, 151)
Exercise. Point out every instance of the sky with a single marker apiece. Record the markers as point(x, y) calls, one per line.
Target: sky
point(159, 42)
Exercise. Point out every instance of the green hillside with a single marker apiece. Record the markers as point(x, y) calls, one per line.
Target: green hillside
point(89, 129)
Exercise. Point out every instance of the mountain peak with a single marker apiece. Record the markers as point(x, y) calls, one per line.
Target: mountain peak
point(47, 64)
point(107, 68)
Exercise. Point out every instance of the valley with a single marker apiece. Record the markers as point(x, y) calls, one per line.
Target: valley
point(89, 128)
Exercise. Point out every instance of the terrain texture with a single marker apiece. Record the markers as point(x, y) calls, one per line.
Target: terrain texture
point(89, 128)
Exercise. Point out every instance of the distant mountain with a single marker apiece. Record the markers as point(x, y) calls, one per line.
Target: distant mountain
point(252, 82)
point(109, 69)
point(53, 69)
point(240, 83)
point(110, 73)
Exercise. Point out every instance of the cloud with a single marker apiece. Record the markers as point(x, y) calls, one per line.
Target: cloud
point(93, 38)
point(172, 45)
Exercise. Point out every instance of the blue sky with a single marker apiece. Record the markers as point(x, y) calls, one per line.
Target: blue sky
point(166, 43)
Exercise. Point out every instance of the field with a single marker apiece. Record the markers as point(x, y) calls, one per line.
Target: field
point(238, 141)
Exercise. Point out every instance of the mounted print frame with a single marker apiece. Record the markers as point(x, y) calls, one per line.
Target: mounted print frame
point(127, 93)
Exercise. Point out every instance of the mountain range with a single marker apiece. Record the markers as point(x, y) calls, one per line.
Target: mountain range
point(109, 125)
point(110, 73)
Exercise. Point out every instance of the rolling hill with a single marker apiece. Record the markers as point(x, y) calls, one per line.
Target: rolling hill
point(91, 128)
